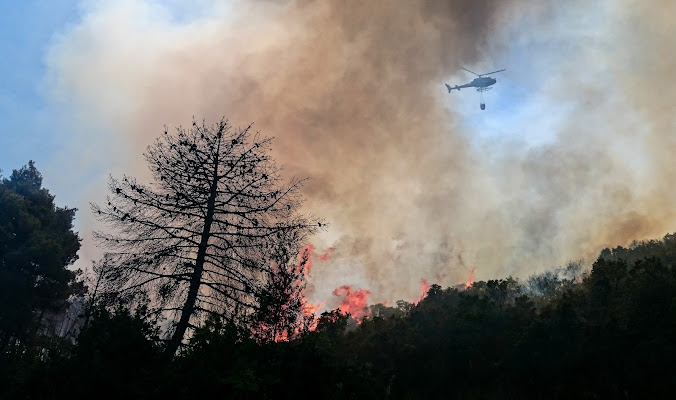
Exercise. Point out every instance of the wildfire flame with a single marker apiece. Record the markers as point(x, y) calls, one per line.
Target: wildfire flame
point(306, 256)
point(353, 302)
point(309, 311)
point(470, 281)
point(325, 256)
point(424, 288)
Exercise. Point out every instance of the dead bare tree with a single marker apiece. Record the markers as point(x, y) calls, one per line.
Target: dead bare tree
point(198, 240)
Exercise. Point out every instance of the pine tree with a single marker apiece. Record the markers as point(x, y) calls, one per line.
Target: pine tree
point(198, 239)
point(37, 244)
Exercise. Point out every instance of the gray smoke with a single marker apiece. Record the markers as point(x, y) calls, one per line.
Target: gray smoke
point(413, 186)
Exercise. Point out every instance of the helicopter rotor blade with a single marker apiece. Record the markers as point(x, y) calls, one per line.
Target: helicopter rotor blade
point(488, 73)
point(470, 71)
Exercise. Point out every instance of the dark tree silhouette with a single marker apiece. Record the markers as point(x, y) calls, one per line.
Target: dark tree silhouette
point(609, 335)
point(37, 243)
point(199, 239)
point(280, 313)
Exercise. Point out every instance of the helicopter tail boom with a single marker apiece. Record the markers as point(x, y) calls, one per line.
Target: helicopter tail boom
point(451, 88)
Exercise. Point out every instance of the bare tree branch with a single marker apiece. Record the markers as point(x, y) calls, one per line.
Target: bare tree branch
point(208, 223)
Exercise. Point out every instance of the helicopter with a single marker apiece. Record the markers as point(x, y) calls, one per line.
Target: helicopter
point(482, 84)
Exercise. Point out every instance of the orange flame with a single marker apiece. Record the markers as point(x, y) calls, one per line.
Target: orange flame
point(309, 311)
point(325, 256)
point(354, 302)
point(306, 256)
point(470, 281)
point(424, 288)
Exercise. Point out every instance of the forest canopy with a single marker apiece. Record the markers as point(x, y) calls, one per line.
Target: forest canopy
point(217, 238)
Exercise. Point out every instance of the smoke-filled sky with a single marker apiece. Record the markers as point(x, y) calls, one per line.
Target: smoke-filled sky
point(574, 152)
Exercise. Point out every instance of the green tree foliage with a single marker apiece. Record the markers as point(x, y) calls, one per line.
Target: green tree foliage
point(116, 356)
point(199, 239)
point(118, 347)
point(664, 250)
point(37, 243)
point(222, 358)
point(611, 334)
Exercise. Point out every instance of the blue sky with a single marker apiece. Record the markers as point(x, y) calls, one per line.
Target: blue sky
point(27, 121)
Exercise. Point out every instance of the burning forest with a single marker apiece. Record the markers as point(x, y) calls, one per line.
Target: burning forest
point(282, 200)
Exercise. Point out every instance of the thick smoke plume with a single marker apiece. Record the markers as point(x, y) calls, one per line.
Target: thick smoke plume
point(414, 185)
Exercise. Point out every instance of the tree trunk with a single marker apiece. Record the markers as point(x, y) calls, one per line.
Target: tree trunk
point(92, 301)
point(196, 279)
